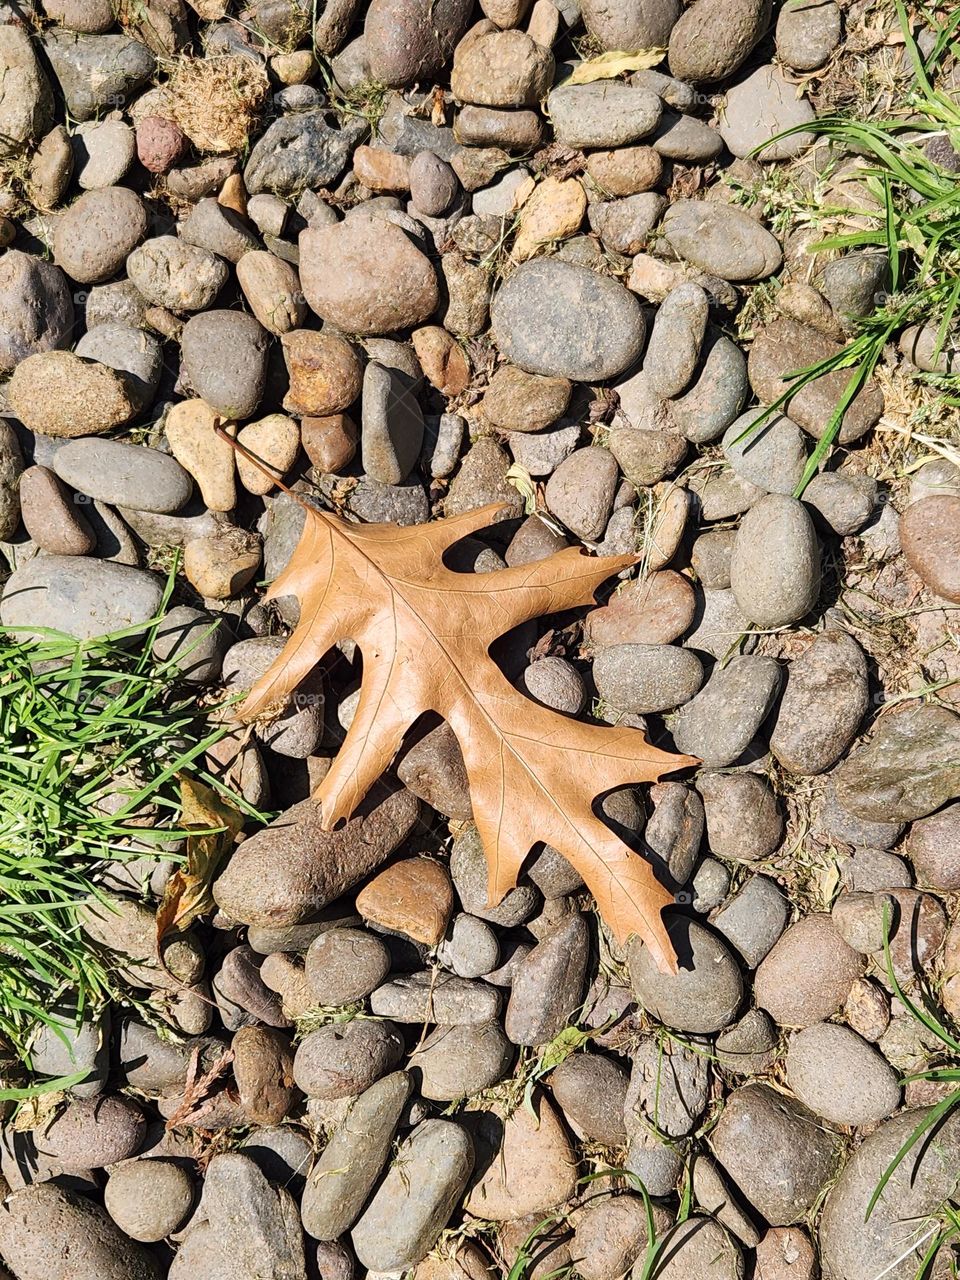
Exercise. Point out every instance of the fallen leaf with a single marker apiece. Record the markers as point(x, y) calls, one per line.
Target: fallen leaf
point(196, 1090)
point(553, 211)
point(522, 481)
point(424, 632)
point(607, 66)
point(187, 895)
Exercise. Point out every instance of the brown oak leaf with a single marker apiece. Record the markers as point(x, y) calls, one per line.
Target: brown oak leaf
point(212, 824)
point(424, 632)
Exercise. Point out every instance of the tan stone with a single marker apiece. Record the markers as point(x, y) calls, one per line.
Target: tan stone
point(366, 276)
point(263, 1070)
point(652, 610)
point(272, 288)
point(284, 973)
point(381, 170)
point(930, 533)
point(443, 360)
point(60, 394)
point(222, 563)
point(196, 446)
point(533, 1168)
point(671, 507)
point(468, 1263)
point(275, 440)
point(330, 443)
point(414, 897)
point(626, 170)
point(553, 212)
point(294, 68)
point(233, 194)
point(325, 373)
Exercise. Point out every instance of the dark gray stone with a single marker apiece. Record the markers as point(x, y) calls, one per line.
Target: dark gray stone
point(561, 320)
point(354, 1158)
point(301, 152)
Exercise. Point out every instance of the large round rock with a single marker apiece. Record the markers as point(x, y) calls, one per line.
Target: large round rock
point(839, 1076)
point(566, 321)
point(777, 1152)
point(703, 995)
point(891, 1241)
point(47, 1232)
point(366, 276)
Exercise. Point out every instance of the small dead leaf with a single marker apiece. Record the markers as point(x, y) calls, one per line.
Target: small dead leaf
point(197, 1087)
point(522, 481)
point(607, 66)
point(187, 894)
point(438, 109)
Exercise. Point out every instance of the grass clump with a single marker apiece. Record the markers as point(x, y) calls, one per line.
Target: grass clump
point(95, 736)
point(913, 215)
point(216, 101)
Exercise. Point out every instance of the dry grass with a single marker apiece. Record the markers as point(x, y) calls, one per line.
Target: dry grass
point(216, 101)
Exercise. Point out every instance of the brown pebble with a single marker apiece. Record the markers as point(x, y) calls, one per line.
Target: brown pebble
point(443, 359)
point(330, 443)
point(381, 170)
point(325, 373)
point(53, 521)
point(652, 610)
point(625, 171)
point(414, 897)
point(263, 1070)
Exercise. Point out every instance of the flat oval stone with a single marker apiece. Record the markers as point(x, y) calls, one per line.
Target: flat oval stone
point(353, 1159)
point(826, 697)
point(808, 974)
point(855, 1245)
point(57, 393)
point(775, 570)
point(366, 276)
point(80, 596)
point(722, 239)
point(413, 1203)
point(909, 767)
point(607, 113)
point(566, 321)
point(126, 475)
point(781, 348)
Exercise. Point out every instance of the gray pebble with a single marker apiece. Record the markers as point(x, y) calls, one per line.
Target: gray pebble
point(775, 572)
point(825, 700)
point(646, 677)
point(549, 984)
point(744, 821)
point(754, 919)
point(718, 724)
point(125, 475)
point(705, 993)
point(441, 998)
point(839, 1076)
point(772, 457)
